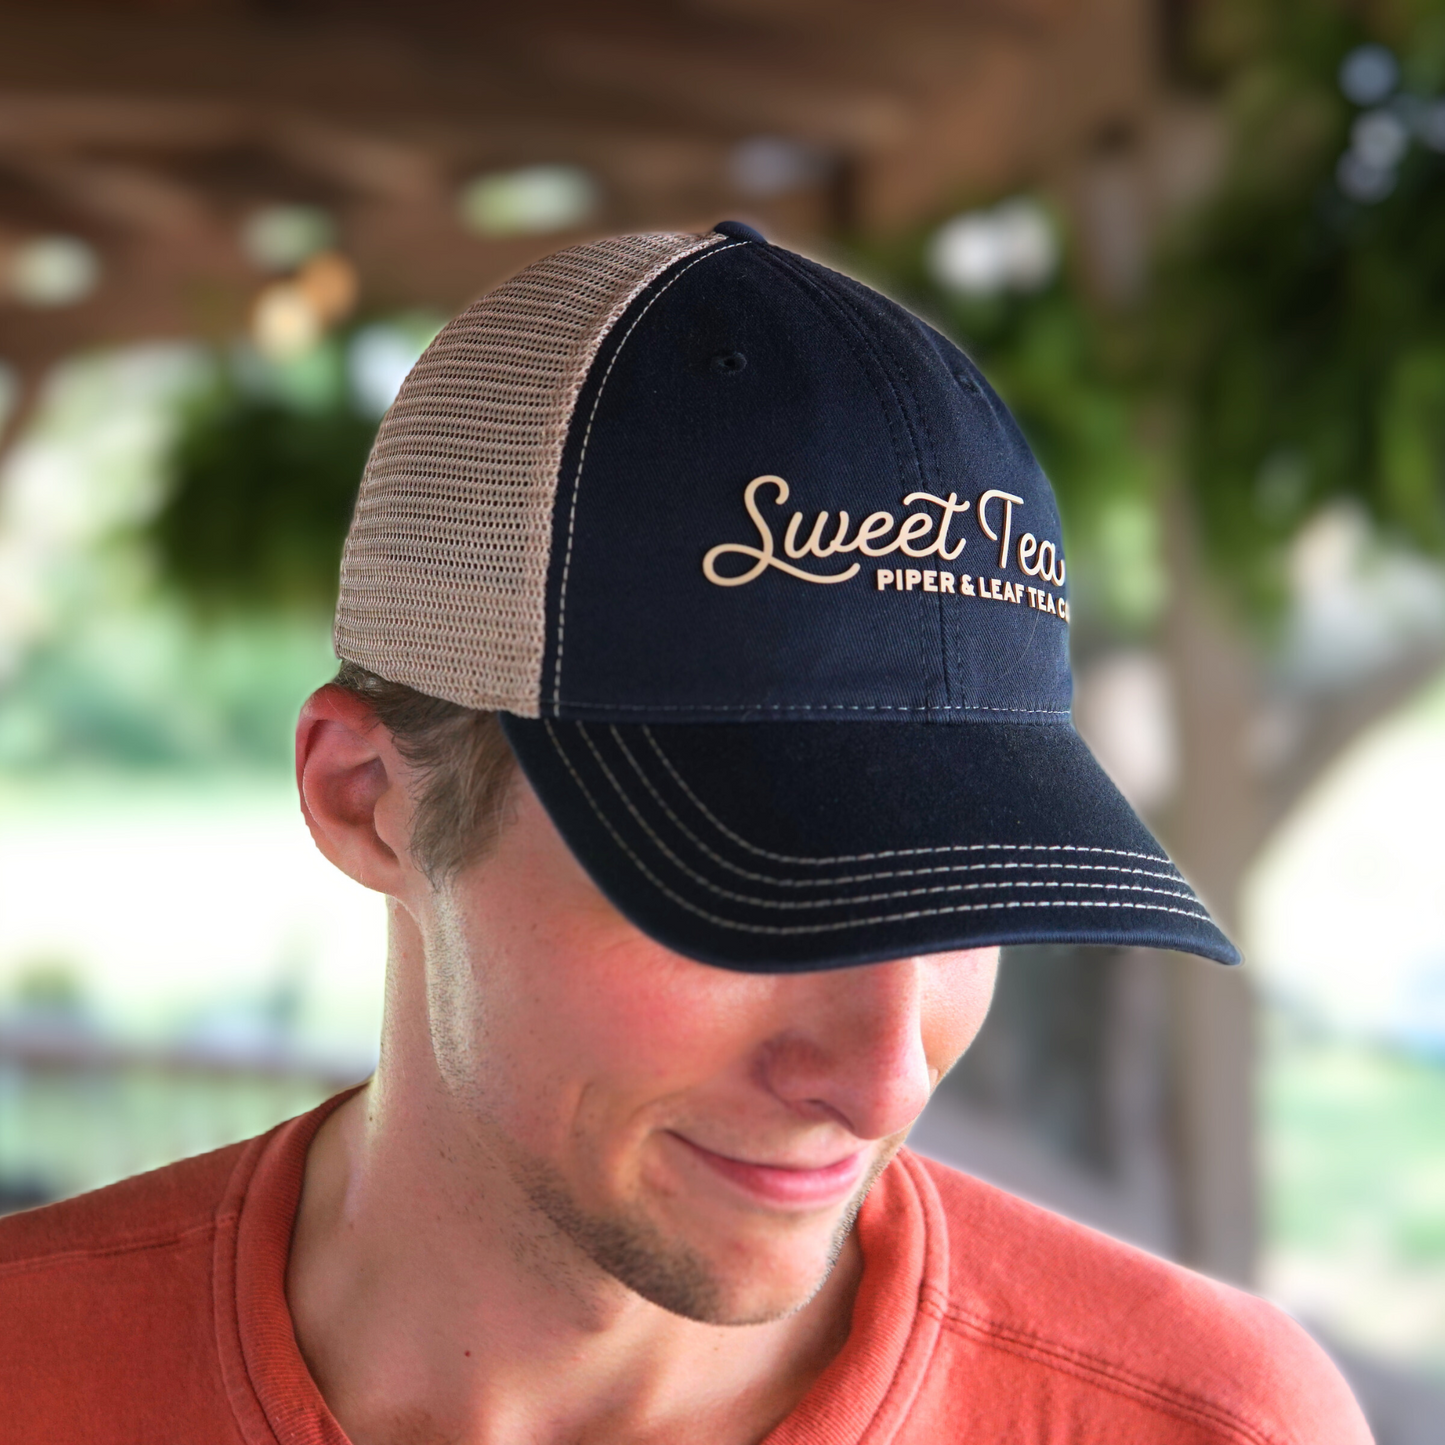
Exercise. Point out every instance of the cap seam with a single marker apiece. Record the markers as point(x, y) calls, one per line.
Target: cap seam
point(796, 271)
point(793, 930)
point(919, 426)
point(865, 877)
point(456, 529)
point(696, 260)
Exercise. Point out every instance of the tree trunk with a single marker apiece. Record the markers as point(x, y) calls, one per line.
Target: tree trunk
point(1230, 797)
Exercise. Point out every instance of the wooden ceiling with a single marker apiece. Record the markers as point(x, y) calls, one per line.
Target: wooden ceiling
point(151, 130)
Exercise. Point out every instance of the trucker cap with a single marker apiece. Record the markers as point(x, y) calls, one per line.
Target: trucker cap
point(771, 595)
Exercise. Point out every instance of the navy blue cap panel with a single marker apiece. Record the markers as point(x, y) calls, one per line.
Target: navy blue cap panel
point(977, 446)
point(770, 847)
point(739, 230)
point(732, 541)
point(746, 363)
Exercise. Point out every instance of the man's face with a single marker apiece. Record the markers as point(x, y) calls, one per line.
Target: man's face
point(704, 1136)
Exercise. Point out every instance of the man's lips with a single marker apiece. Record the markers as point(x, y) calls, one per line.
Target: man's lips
point(781, 1185)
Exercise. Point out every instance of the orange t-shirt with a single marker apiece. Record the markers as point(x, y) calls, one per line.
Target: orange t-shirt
point(155, 1311)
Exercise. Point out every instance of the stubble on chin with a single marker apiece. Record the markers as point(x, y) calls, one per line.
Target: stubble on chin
point(630, 1249)
point(668, 1273)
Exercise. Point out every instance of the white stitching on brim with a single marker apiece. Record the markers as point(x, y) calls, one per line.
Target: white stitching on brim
point(813, 928)
point(834, 882)
point(853, 899)
point(887, 852)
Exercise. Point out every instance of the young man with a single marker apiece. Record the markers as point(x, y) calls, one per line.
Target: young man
point(704, 717)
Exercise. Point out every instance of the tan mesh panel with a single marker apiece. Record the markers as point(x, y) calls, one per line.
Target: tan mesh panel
point(443, 581)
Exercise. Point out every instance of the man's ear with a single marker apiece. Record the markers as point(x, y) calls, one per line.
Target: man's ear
point(353, 793)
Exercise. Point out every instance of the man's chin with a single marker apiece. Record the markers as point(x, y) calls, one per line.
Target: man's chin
point(769, 1286)
point(778, 1271)
point(769, 1271)
point(722, 1281)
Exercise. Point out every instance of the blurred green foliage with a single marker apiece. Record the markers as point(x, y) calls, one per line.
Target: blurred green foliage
point(49, 985)
point(151, 686)
point(1290, 347)
point(99, 666)
point(1289, 351)
point(264, 470)
point(1301, 331)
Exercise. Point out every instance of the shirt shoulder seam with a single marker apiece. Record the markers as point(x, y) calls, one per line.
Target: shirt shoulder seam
point(1120, 1381)
point(62, 1258)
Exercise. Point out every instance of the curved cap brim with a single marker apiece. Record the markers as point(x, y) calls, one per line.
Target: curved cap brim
point(773, 847)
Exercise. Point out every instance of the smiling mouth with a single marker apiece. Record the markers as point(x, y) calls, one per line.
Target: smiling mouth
point(783, 1186)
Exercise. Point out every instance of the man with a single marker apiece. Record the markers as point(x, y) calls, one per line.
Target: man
point(704, 716)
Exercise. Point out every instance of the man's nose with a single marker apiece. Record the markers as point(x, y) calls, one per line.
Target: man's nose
point(853, 1051)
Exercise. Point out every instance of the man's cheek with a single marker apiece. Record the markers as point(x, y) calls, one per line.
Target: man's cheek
point(954, 1012)
point(655, 1034)
point(652, 1054)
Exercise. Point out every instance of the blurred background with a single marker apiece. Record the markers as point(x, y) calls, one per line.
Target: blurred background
point(1199, 248)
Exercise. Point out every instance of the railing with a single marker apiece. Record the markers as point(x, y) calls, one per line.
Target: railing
point(80, 1109)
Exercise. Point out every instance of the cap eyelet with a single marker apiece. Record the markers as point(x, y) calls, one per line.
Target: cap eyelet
point(729, 363)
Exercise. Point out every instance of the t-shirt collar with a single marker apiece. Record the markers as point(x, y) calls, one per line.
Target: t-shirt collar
point(861, 1398)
